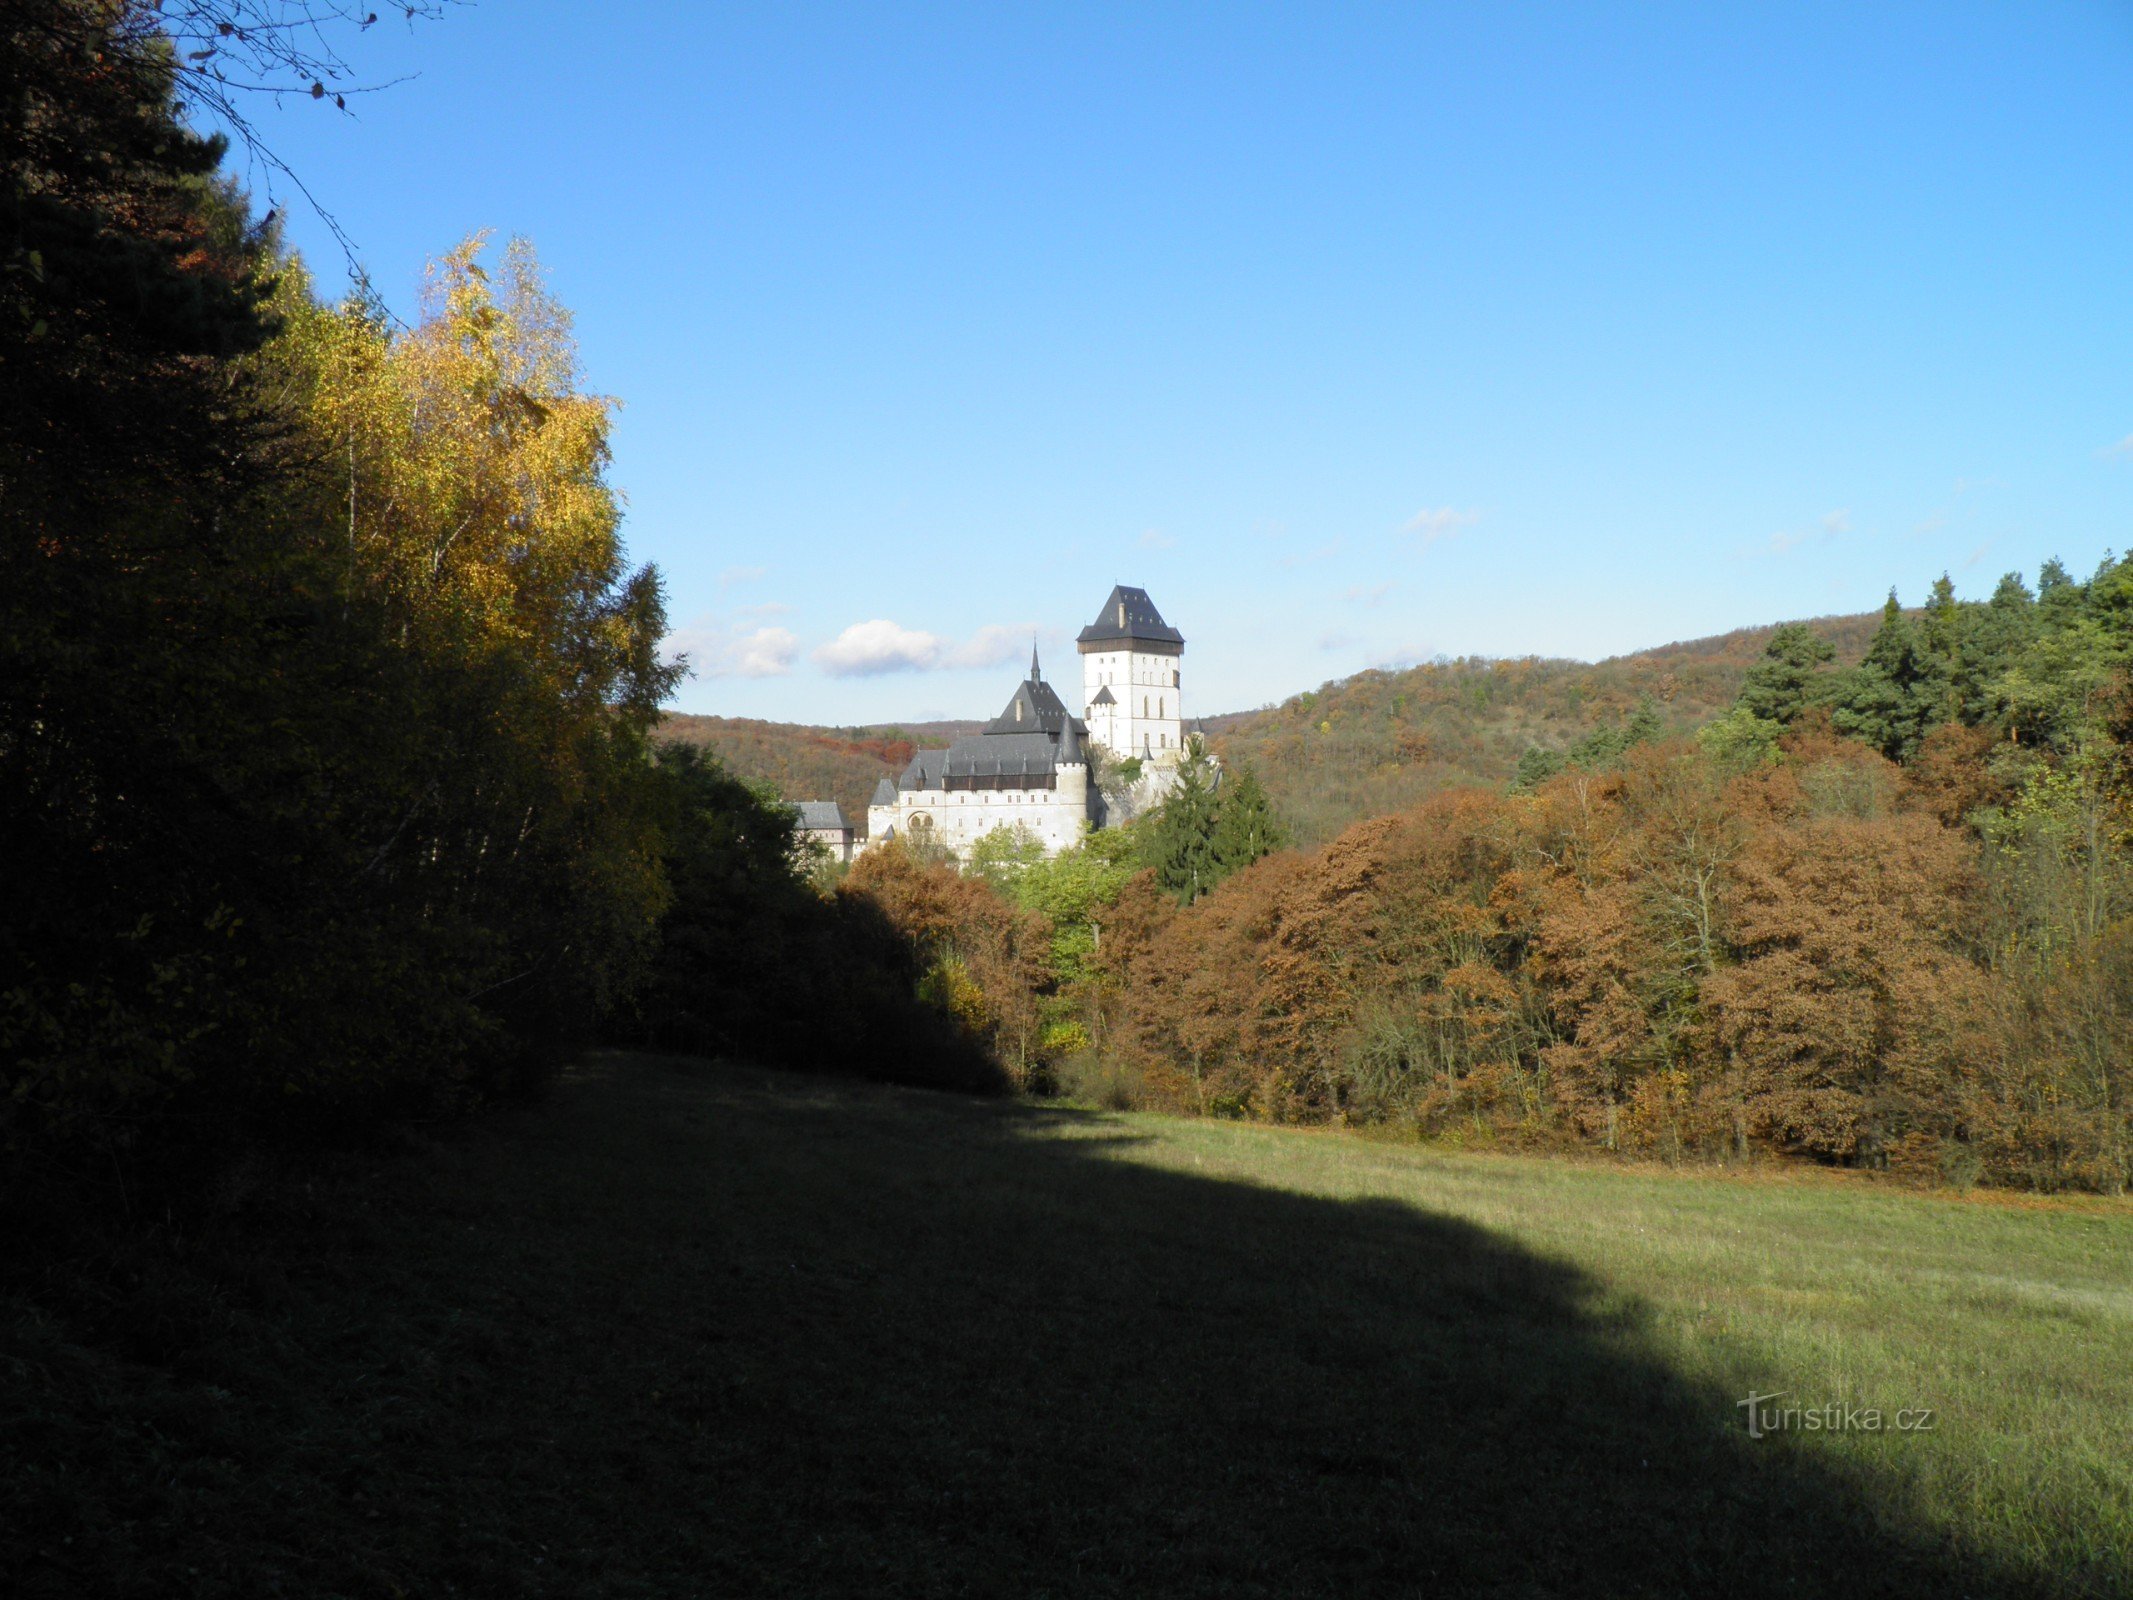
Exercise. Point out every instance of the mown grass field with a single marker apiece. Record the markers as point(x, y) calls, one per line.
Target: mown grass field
point(690, 1329)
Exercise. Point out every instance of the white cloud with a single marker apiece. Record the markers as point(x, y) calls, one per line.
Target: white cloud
point(1977, 555)
point(1836, 522)
point(720, 648)
point(1439, 522)
point(1366, 594)
point(765, 653)
point(1338, 641)
point(867, 649)
point(993, 645)
point(2119, 451)
point(1156, 539)
point(1786, 539)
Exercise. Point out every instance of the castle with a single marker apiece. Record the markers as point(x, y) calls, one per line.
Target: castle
point(1031, 765)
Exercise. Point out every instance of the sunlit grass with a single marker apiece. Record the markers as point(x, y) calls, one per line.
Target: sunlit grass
point(691, 1329)
point(2011, 1318)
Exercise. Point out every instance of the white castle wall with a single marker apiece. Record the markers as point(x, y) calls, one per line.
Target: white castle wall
point(959, 818)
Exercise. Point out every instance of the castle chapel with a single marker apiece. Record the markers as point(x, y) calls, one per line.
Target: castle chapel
point(1031, 764)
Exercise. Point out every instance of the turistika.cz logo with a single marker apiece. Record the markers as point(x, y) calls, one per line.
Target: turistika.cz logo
point(1765, 1418)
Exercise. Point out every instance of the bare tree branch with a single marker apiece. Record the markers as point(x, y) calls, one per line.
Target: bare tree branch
point(228, 55)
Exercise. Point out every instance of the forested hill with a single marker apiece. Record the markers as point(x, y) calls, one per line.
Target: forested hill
point(1382, 740)
point(803, 763)
point(1354, 748)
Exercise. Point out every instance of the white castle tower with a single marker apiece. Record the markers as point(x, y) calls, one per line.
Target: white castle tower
point(1133, 693)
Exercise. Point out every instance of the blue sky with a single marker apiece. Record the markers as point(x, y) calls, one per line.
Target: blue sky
point(1355, 335)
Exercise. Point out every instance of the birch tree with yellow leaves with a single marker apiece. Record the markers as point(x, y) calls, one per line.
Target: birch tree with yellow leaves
point(479, 554)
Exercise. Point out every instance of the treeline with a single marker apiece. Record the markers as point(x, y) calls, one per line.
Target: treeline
point(326, 693)
point(1876, 916)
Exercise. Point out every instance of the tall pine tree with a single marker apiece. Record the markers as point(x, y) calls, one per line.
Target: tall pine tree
point(1789, 677)
point(1183, 847)
point(1245, 825)
point(1898, 693)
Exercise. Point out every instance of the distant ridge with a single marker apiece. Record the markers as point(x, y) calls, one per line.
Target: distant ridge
point(1354, 747)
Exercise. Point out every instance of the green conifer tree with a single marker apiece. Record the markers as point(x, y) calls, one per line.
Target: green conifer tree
point(1893, 697)
point(1183, 843)
point(1245, 825)
point(1791, 675)
point(1535, 767)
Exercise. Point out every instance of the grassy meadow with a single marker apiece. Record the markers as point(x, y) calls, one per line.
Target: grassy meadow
point(699, 1329)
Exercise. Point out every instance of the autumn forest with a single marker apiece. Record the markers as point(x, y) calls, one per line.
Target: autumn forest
point(341, 788)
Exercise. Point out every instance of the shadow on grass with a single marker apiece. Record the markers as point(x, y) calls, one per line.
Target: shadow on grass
point(707, 1330)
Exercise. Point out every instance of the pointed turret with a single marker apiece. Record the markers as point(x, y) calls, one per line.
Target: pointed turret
point(1070, 747)
point(1036, 674)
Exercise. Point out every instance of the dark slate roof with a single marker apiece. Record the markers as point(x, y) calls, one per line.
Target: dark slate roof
point(1034, 708)
point(822, 816)
point(1028, 739)
point(924, 772)
point(1129, 617)
point(1104, 697)
point(985, 755)
point(884, 793)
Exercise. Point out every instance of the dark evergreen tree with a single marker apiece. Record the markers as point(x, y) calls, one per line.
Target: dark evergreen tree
point(1245, 825)
point(1898, 693)
point(1944, 621)
point(1645, 724)
point(1183, 845)
point(2055, 585)
point(1791, 676)
point(1535, 767)
point(1993, 637)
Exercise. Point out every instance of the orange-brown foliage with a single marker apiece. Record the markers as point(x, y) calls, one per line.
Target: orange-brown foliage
point(1657, 958)
point(985, 959)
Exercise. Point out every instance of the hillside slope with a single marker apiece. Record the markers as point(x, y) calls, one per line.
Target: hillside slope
point(804, 763)
point(1382, 740)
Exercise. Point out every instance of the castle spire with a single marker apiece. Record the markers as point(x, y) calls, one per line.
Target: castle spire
point(1036, 675)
